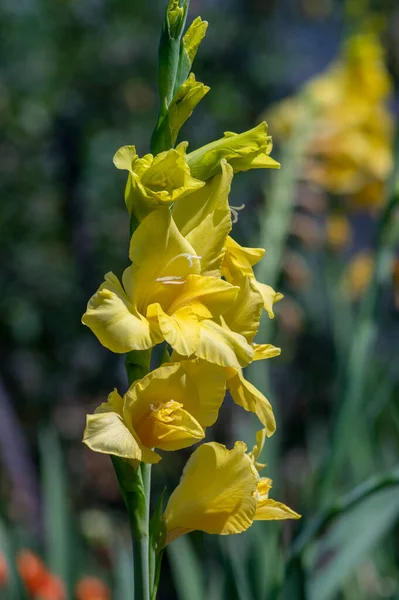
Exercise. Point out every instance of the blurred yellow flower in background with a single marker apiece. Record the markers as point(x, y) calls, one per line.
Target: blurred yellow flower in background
point(349, 149)
point(338, 231)
point(358, 274)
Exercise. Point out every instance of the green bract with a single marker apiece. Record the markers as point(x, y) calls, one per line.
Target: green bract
point(181, 108)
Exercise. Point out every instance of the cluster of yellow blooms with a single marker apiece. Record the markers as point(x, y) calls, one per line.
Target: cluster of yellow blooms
point(192, 286)
point(349, 150)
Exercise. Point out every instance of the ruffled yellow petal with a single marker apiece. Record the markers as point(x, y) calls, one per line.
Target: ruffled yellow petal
point(238, 261)
point(244, 315)
point(216, 494)
point(125, 157)
point(240, 258)
point(211, 248)
point(169, 427)
point(208, 210)
point(212, 293)
point(161, 258)
point(270, 510)
point(254, 455)
point(270, 297)
point(181, 330)
point(214, 196)
point(219, 345)
point(264, 351)
point(113, 320)
point(205, 385)
point(114, 404)
point(250, 398)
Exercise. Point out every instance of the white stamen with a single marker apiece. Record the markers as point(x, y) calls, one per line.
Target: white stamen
point(171, 279)
point(234, 211)
point(190, 257)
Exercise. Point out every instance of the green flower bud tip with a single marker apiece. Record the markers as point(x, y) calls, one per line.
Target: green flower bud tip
point(194, 36)
point(175, 17)
point(243, 151)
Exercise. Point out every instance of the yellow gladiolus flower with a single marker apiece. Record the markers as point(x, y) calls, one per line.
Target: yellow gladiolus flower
point(216, 493)
point(220, 492)
point(243, 151)
point(154, 181)
point(164, 297)
point(168, 409)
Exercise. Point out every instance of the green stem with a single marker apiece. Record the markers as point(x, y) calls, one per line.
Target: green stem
point(141, 547)
point(132, 486)
point(138, 507)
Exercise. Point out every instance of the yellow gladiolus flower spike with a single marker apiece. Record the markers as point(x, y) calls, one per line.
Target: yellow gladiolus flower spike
point(220, 492)
point(155, 180)
point(164, 297)
point(243, 151)
point(168, 409)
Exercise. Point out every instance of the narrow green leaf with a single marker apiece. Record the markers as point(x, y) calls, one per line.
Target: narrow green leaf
point(57, 517)
point(124, 575)
point(350, 540)
point(236, 563)
point(186, 570)
point(157, 530)
point(14, 588)
point(295, 582)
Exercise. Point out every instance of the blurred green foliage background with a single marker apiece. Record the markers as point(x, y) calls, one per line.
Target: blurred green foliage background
point(77, 81)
